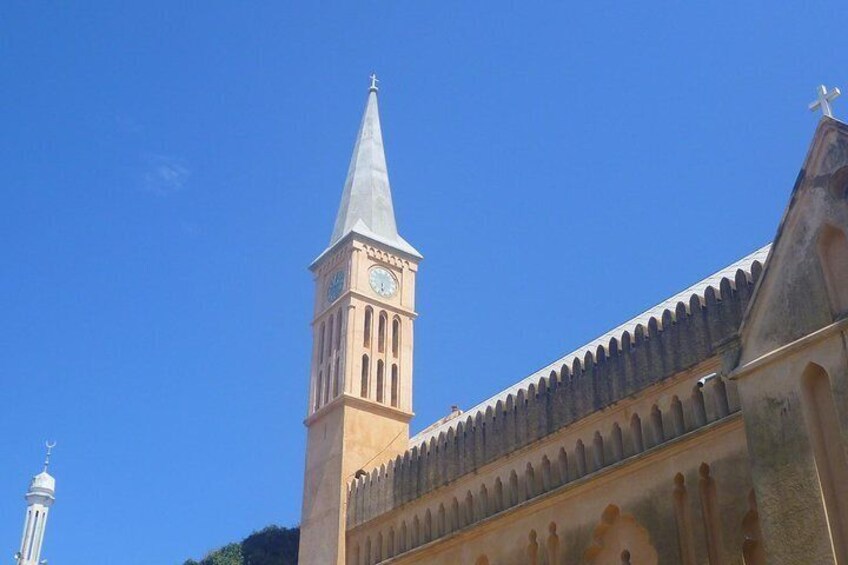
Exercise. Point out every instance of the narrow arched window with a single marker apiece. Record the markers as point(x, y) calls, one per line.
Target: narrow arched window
point(379, 380)
point(381, 333)
point(321, 343)
point(327, 384)
point(330, 337)
point(395, 337)
point(363, 386)
point(395, 385)
point(339, 330)
point(318, 389)
point(336, 380)
point(367, 339)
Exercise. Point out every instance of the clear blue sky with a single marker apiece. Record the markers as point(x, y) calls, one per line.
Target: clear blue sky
point(169, 172)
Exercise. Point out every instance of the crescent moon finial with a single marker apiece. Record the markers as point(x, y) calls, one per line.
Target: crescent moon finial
point(50, 445)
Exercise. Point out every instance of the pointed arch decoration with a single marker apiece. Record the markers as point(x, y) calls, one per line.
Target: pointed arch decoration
point(618, 535)
point(366, 330)
point(441, 521)
point(395, 384)
point(657, 431)
point(822, 423)
point(513, 488)
point(483, 503)
point(327, 387)
point(428, 527)
point(547, 483)
point(683, 518)
point(753, 552)
point(390, 542)
point(580, 455)
point(468, 514)
point(532, 548)
point(381, 331)
point(833, 256)
point(415, 536)
point(363, 383)
point(336, 381)
point(395, 337)
point(330, 332)
point(552, 544)
point(321, 332)
point(318, 384)
point(637, 439)
point(498, 501)
point(339, 319)
point(368, 551)
point(699, 407)
point(403, 539)
point(455, 522)
point(712, 519)
point(380, 380)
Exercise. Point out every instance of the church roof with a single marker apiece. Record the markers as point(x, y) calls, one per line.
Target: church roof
point(366, 207)
point(745, 264)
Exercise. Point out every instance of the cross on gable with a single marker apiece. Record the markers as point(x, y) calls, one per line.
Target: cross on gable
point(824, 100)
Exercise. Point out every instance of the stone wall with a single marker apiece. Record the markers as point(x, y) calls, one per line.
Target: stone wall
point(675, 430)
point(693, 333)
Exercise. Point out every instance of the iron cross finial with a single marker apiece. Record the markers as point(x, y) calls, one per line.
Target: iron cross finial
point(824, 99)
point(374, 82)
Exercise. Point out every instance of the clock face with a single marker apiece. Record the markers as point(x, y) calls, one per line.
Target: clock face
point(334, 289)
point(383, 282)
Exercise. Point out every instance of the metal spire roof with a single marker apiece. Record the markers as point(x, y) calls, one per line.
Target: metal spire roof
point(366, 206)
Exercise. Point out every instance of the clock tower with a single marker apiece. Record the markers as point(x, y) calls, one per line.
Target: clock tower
point(360, 384)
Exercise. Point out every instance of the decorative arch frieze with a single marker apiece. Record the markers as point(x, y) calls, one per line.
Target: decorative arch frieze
point(618, 535)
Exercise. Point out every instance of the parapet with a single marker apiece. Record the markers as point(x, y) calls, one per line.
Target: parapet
point(700, 328)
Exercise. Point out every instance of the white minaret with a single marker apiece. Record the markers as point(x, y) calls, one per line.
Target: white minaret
point(39, 499)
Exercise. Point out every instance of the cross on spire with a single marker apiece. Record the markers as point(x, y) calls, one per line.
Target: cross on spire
point(374, 82)
point(824, 100)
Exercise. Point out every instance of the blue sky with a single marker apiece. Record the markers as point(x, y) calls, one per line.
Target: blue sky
point(168, 172)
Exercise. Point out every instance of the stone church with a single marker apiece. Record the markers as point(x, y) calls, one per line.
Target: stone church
point(709, 430)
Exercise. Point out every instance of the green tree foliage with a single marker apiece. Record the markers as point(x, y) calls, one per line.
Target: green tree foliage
point(271, 546)
point(227, 555)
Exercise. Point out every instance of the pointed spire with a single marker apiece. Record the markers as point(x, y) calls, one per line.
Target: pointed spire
point(366, 207)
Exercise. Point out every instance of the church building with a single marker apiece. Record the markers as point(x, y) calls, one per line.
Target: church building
point(711, 429)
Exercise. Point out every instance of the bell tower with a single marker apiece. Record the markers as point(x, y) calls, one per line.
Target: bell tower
point(360, 385)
